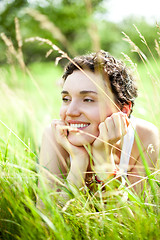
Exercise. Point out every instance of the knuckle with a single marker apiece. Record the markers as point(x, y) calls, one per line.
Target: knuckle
point(101, 126)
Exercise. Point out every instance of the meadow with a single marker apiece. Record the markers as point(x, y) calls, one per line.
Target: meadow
point(29, 101)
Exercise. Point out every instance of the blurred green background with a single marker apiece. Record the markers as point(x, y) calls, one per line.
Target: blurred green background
point(75, 26)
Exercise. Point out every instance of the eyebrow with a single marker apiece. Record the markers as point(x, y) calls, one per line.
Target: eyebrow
point(81, 92)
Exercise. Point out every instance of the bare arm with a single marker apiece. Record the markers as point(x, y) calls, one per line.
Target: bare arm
point(149, 138)
point(52, 155)
point(111, 130)
point(55, 150)
point(52, 161)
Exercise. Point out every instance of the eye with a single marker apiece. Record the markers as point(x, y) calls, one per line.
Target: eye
point(88, 100)
point(65, 99)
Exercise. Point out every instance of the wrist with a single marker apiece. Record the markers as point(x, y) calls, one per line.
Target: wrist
point(76, 175)
point(106, 176)
point(78, 169)
point(78, 152)
point(79, 162)
point(103, 157)
point(110, 181)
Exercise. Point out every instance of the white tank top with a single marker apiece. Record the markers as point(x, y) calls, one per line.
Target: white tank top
point(128, 141)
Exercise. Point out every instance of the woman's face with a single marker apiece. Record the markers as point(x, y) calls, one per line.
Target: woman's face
point(84, 105)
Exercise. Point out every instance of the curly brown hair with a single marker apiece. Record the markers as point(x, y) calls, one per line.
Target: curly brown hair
point(121, 80)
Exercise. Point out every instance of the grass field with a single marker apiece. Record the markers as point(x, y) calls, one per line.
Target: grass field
point(28, 103)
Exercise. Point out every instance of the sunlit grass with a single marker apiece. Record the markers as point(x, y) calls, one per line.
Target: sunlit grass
point(146, 105)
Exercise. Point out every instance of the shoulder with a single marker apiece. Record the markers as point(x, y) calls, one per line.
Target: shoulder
point(47, 132)
point(149, 136)
point(146, 130)
point(48, 138)
point(48, 141)
point(52, 154)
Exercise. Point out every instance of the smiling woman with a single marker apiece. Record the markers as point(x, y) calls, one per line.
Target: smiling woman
point(95, 120)
point(81, 105)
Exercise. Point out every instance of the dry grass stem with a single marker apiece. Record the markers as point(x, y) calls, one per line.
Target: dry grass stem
point(9, 44)
point(17, 54)
point(157, 47)
point(92, 28)
point(146, 63)
point(143, 178)
point(18, 34)
point(17, 137)
point(145, 42)
point(20, 44)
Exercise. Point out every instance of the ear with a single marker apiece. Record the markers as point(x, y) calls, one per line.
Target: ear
point(127, 108)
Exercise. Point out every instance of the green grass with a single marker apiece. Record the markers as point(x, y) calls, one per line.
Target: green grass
point(27, 105)
point(147, 104)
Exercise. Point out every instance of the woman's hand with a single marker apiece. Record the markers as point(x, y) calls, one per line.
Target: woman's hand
point(110, 131)
point(78, 154)
point(61, 132)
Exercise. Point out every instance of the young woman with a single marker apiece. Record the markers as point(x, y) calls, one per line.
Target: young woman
point(95, 119)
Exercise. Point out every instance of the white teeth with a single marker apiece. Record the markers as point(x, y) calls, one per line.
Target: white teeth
point(78, 125)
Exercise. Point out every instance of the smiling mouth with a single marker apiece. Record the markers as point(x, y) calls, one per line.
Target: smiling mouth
point(79, 125)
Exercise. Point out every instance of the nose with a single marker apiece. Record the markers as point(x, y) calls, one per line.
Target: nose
point(73, 109)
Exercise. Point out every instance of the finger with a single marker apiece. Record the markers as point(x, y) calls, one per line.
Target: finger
point(110, 126)
point(53, 123)
point(117, 120)
point(61, 137)
point(103, 132)
point(62, 125)
point(56, 122)
point(121, 122)
point(57, 128)
point(127, 120)
point(62, 129)
point(102, 129)
point(125, 124)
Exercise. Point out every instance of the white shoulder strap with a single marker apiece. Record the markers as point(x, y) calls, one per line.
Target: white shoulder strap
point(128, 140)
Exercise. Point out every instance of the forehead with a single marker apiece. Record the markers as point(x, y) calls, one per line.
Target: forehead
point(87, 80)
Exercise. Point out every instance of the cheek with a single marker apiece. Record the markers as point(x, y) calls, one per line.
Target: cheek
point(96, 120)
point(62, 113)
point(106, 111)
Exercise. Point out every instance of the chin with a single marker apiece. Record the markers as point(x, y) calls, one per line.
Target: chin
point(79, 140)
